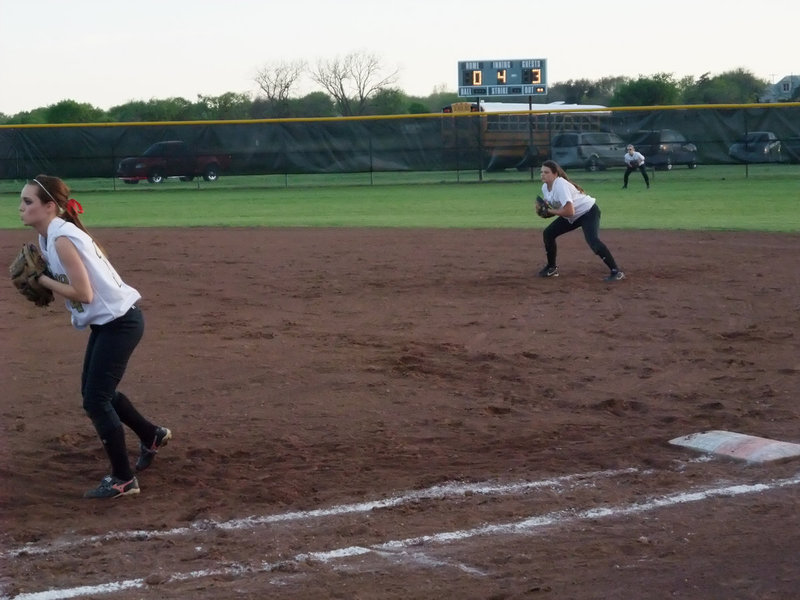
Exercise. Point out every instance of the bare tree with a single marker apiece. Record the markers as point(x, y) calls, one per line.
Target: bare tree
point(277, 79)
point(332, 76)
point(352, 80)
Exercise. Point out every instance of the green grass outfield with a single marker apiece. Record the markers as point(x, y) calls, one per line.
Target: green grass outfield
point(759, 198)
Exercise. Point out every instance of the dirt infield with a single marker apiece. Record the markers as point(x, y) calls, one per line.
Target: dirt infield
point(412, 414)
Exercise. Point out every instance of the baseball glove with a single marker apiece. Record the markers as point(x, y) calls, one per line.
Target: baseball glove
point(542, 208)
point(25, 271)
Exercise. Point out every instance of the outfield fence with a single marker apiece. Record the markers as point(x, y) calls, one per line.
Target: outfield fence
point(710, 134)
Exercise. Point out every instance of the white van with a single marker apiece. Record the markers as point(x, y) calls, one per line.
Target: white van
point(591, 150)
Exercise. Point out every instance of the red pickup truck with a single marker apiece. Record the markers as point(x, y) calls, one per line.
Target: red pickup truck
point(171, 159)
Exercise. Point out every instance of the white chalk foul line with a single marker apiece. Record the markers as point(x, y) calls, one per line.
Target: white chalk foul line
point(447, 490)
point(525, 526)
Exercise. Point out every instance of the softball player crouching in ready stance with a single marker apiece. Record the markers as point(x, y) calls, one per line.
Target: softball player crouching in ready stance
point(574, 208)
point(97, 298)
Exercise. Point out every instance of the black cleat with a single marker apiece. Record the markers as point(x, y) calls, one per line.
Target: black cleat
point(148, 453)
point(113, 487)
point(549, 272)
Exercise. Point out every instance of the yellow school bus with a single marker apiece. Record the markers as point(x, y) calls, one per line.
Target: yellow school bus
point(503, 135)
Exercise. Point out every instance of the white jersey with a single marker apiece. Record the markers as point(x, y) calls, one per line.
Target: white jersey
point(112, 296)
point(632, 160)
point(563, 191)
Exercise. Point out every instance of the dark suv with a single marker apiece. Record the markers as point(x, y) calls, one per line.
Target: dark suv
point(792, 148)
point(664, 148)
point(757, 147)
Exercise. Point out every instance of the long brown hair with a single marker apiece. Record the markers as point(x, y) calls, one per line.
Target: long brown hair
point(556, 168)
point(53, 189)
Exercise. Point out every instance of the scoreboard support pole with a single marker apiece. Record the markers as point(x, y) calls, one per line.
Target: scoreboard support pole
point(530, 133)
point(480, 144)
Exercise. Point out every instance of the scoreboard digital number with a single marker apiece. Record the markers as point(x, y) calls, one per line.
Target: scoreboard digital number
point(525, 77)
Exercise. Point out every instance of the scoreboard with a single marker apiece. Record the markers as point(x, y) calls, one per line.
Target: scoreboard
point(525, 77)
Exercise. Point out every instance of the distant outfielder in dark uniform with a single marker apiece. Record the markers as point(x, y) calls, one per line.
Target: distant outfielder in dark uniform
point(634, 160)
point(97, 298)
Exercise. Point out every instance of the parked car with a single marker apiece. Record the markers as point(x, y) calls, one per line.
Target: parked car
point(172, 159)
point(592, 150)
point(790, 149)
point(757, 147)
point(665, 148)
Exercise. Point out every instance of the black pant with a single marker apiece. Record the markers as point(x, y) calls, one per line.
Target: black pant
point(629, 170)
point(109, 348)
point(590, 223)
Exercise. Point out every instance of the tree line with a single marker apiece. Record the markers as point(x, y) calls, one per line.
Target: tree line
point(358, 85)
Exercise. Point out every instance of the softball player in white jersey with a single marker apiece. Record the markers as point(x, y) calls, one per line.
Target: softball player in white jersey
point(97, 298)
point(573, 208)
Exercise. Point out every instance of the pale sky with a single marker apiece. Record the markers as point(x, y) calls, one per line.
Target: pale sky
point(106, 52)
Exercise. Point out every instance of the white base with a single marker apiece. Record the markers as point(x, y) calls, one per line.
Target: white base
point(738, 445)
